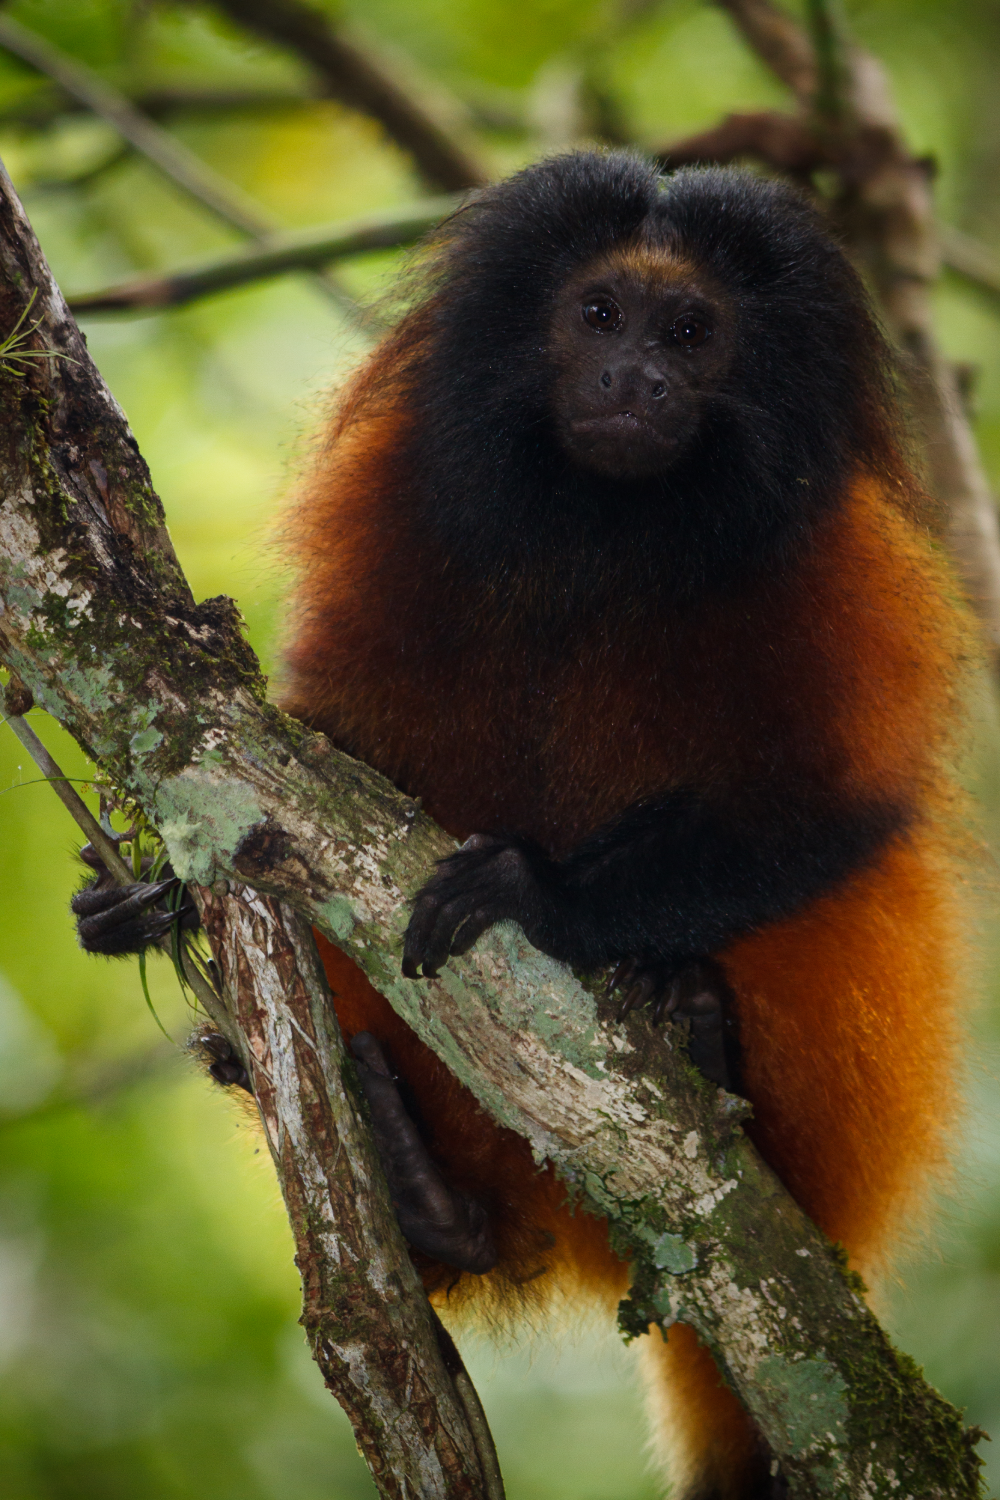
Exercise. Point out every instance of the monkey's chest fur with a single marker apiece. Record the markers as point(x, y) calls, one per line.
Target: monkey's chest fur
point(554, 728)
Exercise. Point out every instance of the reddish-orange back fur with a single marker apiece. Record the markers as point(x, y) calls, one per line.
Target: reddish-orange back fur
point(838, 670)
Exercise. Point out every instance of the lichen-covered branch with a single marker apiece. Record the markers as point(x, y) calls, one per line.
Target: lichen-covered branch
point(76, 495)
point(99, 624)
point(369, 1324)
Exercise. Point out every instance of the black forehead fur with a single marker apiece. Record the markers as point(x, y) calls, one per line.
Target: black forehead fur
point(807, 400)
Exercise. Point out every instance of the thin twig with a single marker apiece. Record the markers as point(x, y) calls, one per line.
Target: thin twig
point(969, 258)
point(72, 801)
point(46, 105)
point(194, 176)
point(350, 75)
point(282, 253)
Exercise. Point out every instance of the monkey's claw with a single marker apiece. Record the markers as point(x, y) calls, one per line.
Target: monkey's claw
point(695, 991)
point(449, 1226)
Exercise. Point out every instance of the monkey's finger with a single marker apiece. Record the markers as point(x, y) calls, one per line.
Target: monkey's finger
point(619, 976)
point(641, 991)
point(156, 923)
point(630, 1000)
point(90, 856)
point(437, 951)
point(470, 932)
point(666, 1003)
point(418, 931)
point(121, 912)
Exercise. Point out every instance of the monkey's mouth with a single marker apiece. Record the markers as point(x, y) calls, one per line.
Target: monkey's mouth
point(620, 426)
point(621, 445)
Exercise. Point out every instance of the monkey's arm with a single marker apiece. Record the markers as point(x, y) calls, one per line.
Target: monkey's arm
point(670, 880)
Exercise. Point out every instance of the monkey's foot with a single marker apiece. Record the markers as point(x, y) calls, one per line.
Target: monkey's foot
point(119, 919)
point(696, 992)
point(223, 1061)
point(449, 1226)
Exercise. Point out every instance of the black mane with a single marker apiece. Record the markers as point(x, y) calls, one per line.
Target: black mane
point(807, 402)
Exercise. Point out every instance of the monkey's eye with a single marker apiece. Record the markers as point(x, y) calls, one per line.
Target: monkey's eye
point(690, 331)
point(605, 315)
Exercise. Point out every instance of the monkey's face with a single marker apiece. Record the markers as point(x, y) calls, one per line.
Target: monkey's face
point(639, 342)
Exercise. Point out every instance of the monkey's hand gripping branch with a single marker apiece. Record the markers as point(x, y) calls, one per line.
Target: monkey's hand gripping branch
point(99, 624)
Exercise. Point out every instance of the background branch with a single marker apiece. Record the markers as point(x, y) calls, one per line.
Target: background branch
point(358, 81)
point(884, 208)
point(195, 177)
point(100, 626)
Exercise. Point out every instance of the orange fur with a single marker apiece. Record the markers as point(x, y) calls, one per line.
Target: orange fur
point(700, 1433)
point(839, 671)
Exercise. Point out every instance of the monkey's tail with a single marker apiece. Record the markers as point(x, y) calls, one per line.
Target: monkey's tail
point(701, 1438)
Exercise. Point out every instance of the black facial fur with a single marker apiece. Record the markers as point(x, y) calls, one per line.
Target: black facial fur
point(802, 400)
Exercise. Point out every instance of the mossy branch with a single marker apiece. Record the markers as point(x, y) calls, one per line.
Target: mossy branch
point(165, 695)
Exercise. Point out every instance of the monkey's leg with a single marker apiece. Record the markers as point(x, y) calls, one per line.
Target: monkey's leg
point(696, 992)
point(449, 1226)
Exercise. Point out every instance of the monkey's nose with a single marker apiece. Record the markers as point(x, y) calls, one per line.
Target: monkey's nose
point(632, 382)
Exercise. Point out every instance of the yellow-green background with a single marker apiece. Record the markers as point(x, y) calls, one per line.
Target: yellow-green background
point(148, 1302)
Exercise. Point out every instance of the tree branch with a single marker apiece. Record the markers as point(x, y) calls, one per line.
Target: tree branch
point(779, 42)
point(357, 80)
point(370, 1327)
point(98, 622)
point(968, 258)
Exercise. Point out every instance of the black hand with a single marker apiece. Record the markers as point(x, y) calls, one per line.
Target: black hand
point(116, 920)
point(449, 1226)
point(489, 880)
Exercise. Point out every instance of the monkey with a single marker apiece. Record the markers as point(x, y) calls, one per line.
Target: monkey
point(614, 555)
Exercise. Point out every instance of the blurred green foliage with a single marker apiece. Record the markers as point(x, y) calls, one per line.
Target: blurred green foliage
point(148, 1301)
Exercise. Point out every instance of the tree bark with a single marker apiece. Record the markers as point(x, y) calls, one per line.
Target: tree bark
point(98, 622)
point(370, 1327)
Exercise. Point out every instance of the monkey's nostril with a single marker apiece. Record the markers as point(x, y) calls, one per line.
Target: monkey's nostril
point(606, 380)
point(659, 389)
